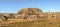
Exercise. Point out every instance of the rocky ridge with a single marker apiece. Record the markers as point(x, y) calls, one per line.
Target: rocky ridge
point(29, 13)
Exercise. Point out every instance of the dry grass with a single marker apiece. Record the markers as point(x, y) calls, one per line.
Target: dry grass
point(42, 22)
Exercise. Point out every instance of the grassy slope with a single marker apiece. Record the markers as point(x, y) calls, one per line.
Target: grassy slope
point(53, 22)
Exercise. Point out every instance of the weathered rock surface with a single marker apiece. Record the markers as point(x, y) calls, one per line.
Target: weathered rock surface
point(29, 13)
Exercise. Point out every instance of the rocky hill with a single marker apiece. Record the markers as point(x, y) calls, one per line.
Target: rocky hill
point(33, 17)
point(29, 13)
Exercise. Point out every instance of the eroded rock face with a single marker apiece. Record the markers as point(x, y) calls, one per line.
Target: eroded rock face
point(6, 16)
point(25, 13)
point(31, 17)
point(19, 16)
point(30, 11)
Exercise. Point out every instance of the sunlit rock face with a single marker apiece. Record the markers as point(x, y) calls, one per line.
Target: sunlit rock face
point(30, 11)
point(19, 16)
point(27, 13)
point(4, 16)
point(31, 16)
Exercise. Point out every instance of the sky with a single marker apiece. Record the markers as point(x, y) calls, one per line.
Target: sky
point(13, 6)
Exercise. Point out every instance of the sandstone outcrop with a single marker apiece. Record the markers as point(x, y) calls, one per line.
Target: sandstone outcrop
point(29, 13)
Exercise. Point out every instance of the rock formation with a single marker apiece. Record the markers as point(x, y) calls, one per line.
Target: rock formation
point(29, 13)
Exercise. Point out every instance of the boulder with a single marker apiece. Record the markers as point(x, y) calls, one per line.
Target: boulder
point(5, 16)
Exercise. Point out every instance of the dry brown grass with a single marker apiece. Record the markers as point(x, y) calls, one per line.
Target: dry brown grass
point(42, 22)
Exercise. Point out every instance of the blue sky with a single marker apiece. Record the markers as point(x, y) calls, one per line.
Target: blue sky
point(13, 6)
